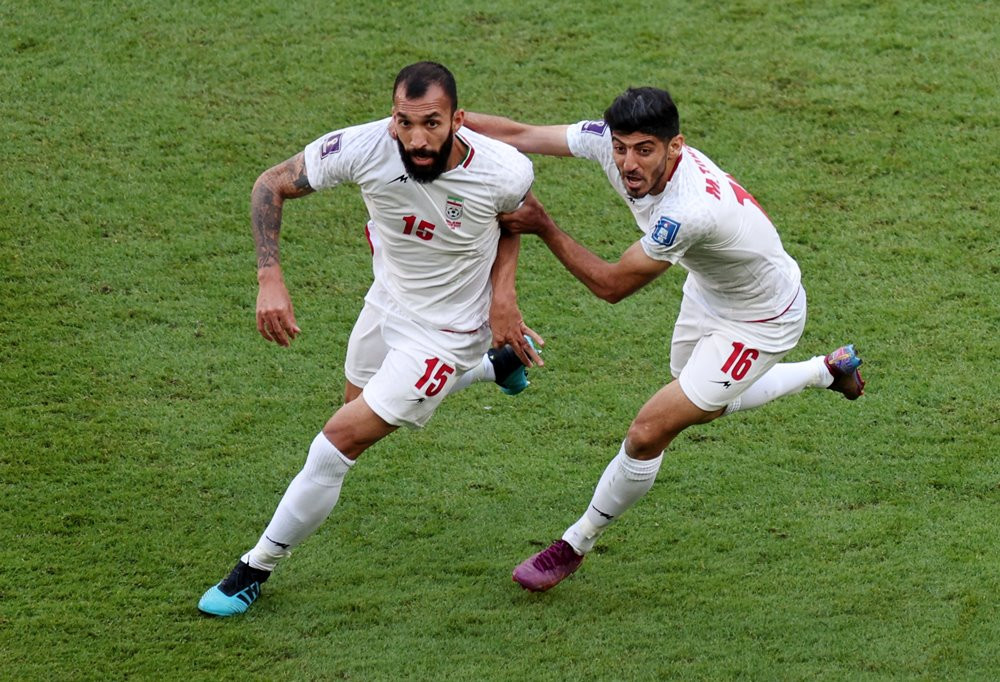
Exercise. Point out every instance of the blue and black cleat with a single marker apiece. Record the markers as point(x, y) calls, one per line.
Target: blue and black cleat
point(511, 375)
point(235, 593)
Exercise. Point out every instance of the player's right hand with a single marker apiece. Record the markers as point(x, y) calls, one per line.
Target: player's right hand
point(275, 316)
point(529, 218)
point(530, 356)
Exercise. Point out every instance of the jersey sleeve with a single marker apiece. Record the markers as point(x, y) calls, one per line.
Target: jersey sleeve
point(521, 174)
point(671, 233)
point(590, 140)
point(332, 159)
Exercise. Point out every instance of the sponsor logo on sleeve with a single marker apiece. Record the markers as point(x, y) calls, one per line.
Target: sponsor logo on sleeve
point(453, 212)
point(594, 127)
point(331, 145)
point(665, 232)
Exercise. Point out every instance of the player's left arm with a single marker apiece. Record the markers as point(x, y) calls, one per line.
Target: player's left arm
point(506, 320)
point(609, 281)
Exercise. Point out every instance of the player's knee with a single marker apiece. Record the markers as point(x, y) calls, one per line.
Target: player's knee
point(646, 440)
point(345, 437)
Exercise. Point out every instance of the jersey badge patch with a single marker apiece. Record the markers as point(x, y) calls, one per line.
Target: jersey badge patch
point(594, 127)
point(665, 232)
point(331, 145)
point(453, 212)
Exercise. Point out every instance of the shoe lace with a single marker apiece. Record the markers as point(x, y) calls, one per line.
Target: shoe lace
point(241, 577)
point(844, 360)
point(554, 556)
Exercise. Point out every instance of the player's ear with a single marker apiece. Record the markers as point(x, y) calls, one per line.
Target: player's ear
point(676, 144)
point(392, 128)
point(458, 120)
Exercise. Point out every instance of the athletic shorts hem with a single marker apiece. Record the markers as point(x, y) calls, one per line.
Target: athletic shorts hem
point(699, 402)
point(392, 419)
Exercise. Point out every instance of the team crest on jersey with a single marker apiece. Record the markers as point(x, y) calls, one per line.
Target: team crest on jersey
point(453, 212)
point(594, 127)
point(331, 145)
point(665, 231)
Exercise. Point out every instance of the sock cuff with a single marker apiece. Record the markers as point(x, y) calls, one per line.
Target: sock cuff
point(824, 377)
point(326, 465)
point(732, 407)
point(639, 469)
point(322, 446)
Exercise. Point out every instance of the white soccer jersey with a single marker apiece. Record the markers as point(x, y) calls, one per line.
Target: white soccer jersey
point(438, 239)
point(707, 223)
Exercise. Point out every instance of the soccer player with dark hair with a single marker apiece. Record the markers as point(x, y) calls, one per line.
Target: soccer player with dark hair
point(742, 311)
point(443, 291)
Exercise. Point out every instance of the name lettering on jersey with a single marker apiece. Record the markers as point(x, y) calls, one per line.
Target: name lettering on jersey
point(453, 212)
point(594, 127)
point(665, 232)
point(744, 196)
point(711, 184)
point(331, 145)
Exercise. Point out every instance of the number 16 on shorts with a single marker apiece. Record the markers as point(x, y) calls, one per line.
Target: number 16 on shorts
point(739, 361)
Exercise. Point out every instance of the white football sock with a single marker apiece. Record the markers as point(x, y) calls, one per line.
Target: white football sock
point(786, 378)
point(309, 499)
point(623, 483)
point(481, 372)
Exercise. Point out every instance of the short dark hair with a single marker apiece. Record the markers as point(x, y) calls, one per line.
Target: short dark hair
point(415, 79)
point(644, 110)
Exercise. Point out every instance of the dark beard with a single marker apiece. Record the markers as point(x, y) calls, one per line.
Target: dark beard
point(429, 173)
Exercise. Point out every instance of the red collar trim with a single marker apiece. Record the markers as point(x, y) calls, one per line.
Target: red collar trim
point(472, 152)
point(673, 170)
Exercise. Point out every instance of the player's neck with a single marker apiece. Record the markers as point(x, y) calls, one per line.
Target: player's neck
point(667, 176)
point(459, 153)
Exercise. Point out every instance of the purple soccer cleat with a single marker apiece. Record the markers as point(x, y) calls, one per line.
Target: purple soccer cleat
point(547, 568)
point(843, 364)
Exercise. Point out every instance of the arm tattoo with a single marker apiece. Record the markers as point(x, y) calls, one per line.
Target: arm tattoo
point(300, 180)
point(285, 181)
point(266, 218)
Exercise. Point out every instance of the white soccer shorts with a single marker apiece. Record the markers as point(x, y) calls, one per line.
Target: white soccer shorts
point(404, 368)
point(716, 360)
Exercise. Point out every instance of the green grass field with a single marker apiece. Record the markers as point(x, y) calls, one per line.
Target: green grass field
point(148, 431)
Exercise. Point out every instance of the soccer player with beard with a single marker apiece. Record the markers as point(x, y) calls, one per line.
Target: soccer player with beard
point(743, 307)
point(443, 289)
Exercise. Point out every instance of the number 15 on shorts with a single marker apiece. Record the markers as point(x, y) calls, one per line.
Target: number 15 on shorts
point(435, 377)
